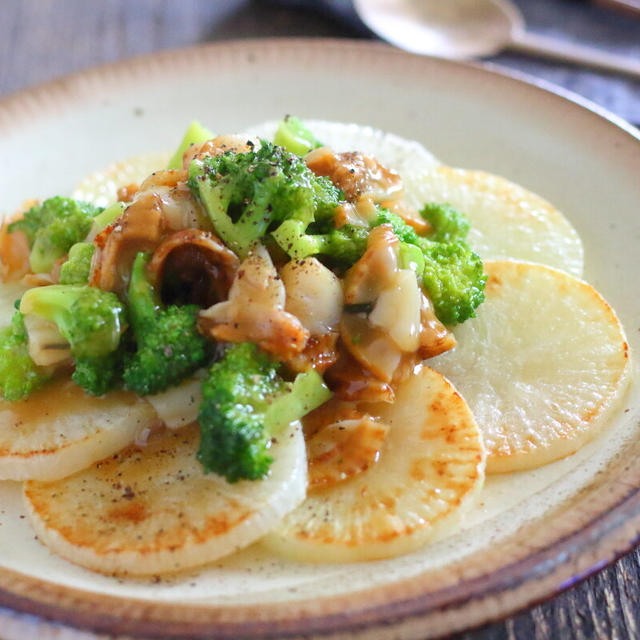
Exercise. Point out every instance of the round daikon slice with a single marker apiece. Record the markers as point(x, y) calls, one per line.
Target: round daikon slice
point(430, 468)
point(507, 221)
point(153, 510)
point(60, 429)
point(542, 365)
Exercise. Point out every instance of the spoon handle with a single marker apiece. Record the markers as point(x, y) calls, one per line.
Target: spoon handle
point(574, 53)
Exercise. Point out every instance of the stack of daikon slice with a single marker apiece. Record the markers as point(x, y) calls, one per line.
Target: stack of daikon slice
point(546, 360)
point(541, 367)
point(535, 375)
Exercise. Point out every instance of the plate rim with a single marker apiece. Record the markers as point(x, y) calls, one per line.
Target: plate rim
point(480, 597)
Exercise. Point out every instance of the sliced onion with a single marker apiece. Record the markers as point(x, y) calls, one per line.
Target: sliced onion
point(370, 346)
point(178, 406)
point(46, 345)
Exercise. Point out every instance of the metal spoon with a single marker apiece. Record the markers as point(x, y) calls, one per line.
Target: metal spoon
point(462, 29)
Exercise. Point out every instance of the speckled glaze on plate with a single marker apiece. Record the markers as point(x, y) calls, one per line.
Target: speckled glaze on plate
point(533, 533)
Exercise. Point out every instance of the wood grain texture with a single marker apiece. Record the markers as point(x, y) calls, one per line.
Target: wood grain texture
point(605, 606)
point(43, 39)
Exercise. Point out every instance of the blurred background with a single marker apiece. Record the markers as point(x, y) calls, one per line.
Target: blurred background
point(42, 39)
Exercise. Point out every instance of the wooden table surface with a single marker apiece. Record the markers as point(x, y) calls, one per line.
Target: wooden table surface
point(43, 39)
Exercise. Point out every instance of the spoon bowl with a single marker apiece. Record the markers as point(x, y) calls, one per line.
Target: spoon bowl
point(464, 29)
point(454, 29)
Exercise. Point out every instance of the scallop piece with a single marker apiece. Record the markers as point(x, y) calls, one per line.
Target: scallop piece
point(408, 157)
point(398, 310)
point(542, 365)
point(101, 187)
point(430, 467)
point(60, 429)
point(255, 310)
point(507, 221)
point(153, 510)
point(313, 295)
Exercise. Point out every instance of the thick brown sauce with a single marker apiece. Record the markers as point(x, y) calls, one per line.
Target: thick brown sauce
point(58, 398)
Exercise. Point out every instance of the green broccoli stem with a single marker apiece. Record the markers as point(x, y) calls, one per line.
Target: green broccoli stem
point(107, 217)
point(307, 392)
point(195, 134)
point(144, 301)
point(295, 137)
point(411, 257)
point(292, 239)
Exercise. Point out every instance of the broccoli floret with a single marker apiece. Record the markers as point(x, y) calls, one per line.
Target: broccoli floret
point(235, 395)
point(78, 265)
point(77, 268)
point(452, 274)
point(345, 245)
point(248, 194)
point(404, 231)
point(53, 227)
point(19, 375)
point(92, 321)
point(342, 246)
point(194, 134)
point(447, 224)
point(98, 375)
point(454, 279)
point(295, 137)
point(169, 346)
point(245, 403)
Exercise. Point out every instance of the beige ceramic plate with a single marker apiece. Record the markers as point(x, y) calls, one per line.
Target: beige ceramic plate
point(520, 545)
